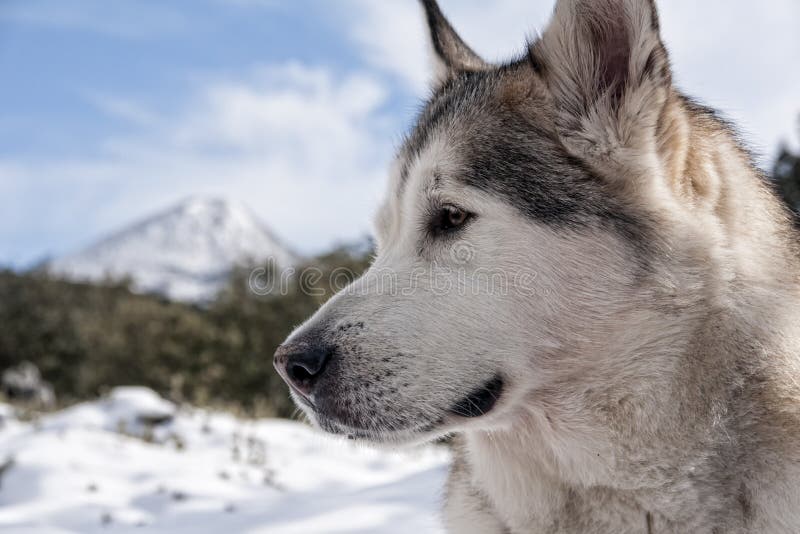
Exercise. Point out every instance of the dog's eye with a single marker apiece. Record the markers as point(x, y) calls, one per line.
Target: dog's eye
point(450, 218)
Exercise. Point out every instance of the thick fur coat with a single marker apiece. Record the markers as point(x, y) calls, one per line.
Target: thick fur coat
point(583, 277)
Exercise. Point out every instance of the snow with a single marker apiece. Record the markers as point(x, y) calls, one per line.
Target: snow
point(96, 467)
point(184, 253)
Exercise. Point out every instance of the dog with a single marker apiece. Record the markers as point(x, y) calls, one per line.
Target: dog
point(582, 277)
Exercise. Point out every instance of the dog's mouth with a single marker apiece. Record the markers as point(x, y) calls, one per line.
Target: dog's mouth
point(477, 403)
point(481, 400)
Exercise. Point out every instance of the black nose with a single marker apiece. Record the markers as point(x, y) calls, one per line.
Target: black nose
point(301, 365)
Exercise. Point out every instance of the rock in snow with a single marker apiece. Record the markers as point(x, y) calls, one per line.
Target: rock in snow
point(185, 253)
point(24, 383)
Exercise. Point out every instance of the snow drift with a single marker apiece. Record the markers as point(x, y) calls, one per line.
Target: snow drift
point(134, 462)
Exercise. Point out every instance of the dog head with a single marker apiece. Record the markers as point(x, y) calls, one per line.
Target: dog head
point(512, 245)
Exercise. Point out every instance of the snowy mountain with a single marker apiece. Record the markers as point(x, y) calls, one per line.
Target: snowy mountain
point(185, 253)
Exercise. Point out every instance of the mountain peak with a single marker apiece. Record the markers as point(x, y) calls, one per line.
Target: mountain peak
point(200, 205)
point(185, 252)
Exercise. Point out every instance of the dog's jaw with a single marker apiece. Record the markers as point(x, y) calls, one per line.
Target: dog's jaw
point(481, 409)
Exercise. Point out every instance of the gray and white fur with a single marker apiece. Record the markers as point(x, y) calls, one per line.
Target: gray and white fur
point(629, 361)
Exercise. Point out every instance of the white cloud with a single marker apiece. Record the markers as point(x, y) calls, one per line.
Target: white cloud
point(393, 37)
point(303, 148)
point(124, 109)
point(739, 56)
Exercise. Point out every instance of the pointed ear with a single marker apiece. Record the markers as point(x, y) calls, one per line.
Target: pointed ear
point(450, 54)
point(606, 67)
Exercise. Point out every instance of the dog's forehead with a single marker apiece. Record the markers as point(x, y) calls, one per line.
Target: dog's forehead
point(459, 105)
point(485, 130)
point(432, 152)
point(482, 130)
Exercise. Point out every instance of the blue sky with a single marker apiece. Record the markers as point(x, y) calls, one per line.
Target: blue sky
point(113, 110)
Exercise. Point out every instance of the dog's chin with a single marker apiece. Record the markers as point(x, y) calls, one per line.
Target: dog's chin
point(417, 435)
point(471, 411)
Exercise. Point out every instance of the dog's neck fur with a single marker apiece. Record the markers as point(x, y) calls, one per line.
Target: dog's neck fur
point(663, 428)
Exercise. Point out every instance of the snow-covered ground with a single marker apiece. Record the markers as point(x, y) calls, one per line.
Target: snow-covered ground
point(105, 467)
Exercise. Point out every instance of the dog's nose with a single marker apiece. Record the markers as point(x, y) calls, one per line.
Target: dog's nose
point(301, 365)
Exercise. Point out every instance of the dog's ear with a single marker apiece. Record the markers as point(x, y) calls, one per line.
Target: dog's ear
point(450, 53)
point(607, 69)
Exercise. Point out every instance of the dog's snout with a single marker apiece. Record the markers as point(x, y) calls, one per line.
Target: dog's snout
point(301, 365)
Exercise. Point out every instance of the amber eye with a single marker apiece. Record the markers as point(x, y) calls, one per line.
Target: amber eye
point(450, 217)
